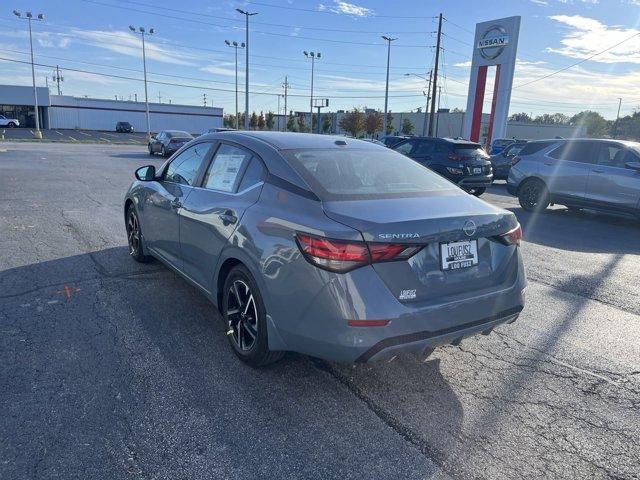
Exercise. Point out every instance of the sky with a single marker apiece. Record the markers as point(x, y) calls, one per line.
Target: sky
point(187, 56)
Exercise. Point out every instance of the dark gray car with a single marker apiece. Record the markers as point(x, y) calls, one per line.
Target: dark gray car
point(501, 162)
point(168, 142)
point(581, 173)
point(331, 247)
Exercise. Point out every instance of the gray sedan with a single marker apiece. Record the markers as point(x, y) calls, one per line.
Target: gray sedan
point(331, 247)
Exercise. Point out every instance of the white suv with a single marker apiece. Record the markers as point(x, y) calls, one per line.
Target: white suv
point(8, 122)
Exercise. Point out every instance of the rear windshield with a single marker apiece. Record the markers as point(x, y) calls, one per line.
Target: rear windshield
point(179, 134)
point(502, 142)
point(470, 150)
point(534, 147)
point(364, 174)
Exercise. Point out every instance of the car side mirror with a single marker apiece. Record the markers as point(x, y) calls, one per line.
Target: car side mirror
point(146, 173)
point(633, 166)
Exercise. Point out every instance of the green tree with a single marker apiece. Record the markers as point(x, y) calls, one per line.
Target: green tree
point(261, 121)
point(389, 123)
point(314, 122)
point(596, 124)
point(291, 122)
point(270, 120)
point(407, 127)
point(326, 123)
point(253, 121)
point(353, 122)
point(520, 117)
point(302, 123)
point(551, 119)
point(373, 123)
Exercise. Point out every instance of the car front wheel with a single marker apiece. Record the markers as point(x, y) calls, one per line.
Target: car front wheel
point(477, 191)
point(244, 315)
point(11, 125)
point(533, 196)
point(134, 236)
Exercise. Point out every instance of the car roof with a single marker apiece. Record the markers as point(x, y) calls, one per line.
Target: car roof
point(291, 140)
point(177, 132)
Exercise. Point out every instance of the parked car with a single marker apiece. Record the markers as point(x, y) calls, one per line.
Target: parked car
point(499, 144)
point(590, 173)
point(124, 127)
point(168, 142)
point(501, 162)
point(463, 162)
point(326, 246)
point(216, 130)
point(391, 140)
point(9, 122)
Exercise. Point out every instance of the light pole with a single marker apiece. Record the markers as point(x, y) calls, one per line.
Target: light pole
point(235, 46)
point(313, 56)
point(386, 88)
point(427, 94)
point(246, 68)
point(29, 16)
point(142, 32)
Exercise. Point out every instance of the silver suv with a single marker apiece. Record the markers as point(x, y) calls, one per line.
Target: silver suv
point(597, 174)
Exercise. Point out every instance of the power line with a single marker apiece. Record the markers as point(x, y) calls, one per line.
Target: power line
point(270, 5)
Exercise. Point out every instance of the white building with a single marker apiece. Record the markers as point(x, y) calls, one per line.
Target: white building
point(66, 112)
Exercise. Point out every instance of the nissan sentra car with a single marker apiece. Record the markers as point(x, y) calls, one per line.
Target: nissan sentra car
point(331, 247)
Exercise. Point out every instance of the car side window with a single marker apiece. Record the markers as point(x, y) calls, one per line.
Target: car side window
point(254, 174)
point(581, 152)
point(226, 166)
point(184, 168)
point(423, 148)
point(611, 155)
point(442, 149)
point(405, 148)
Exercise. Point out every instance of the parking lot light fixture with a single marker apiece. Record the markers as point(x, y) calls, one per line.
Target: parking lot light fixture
point(386, 88)
point(247, 14)
point(142, 32)
point(29, 17)
point(235, 46)
point(313, 56)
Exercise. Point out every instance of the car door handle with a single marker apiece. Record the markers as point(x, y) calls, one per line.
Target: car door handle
point(597, 170)
point(176, 204)
point(228, 218)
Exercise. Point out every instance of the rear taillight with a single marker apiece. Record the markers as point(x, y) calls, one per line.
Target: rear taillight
point(342, 256)
point(515, 160)
point(512, 237)
point(455, 158)
point(173, 140)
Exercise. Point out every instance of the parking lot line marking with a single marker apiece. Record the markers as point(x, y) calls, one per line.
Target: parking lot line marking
point(59, 133)
point(105, 139)
point(83, 133)
point(72, 138)
point(31, 131)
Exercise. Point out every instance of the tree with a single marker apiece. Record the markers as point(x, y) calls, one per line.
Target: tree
point(261, 122)
point(459, 110)
point(551, 119)
point(270, 120)
point(229, 120)
point(407, 127)
point(389, 123)
point(373, 123)
point(326, 123)
point(253, 121)
point(520, 117)
point(302, 124)
point(596, 124)
point(291, 122)
point(314, 122)
point(353, 122)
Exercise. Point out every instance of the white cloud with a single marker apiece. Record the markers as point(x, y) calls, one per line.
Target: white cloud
point(586, 36)
point(225, 68)
point(540, 2)
point(346, 8)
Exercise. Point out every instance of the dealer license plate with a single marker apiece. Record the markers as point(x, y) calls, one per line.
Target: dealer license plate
point(457, 255)
point(477, 170)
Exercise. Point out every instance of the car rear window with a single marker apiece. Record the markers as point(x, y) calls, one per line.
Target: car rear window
point(502, 142)
point(470, 150)
point(534, 147)
point(364, 174)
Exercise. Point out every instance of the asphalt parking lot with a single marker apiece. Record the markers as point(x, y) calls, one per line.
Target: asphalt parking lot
point(75, 136)
point(112, 369)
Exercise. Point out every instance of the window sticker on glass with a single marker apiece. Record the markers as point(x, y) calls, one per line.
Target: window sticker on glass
point(224, 172)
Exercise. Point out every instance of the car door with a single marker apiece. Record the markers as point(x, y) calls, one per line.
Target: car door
point(566, 169)
point(232, 183)
point(422, 151)
point(162, 206)
point(610, 183)
point(155, 141)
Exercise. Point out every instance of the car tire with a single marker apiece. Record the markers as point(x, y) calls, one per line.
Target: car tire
point(533, 195)
point(245, 319)
point(134, 237)
point(150, 149)
point(477, 191)
point(11, 125)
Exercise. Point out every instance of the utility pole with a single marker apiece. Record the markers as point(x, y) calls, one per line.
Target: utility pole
point(286, 87)
point(313, 56)
point(142, 32)
point(617, 117)
point(235, 46)
point(435, 77)
point(386, 88)
point(57, 78)
point(159, 98)
point(438, 112)
point(29, 17)
point(135, 97)
point(246, 68)
point(204, 99)
point(426, 108)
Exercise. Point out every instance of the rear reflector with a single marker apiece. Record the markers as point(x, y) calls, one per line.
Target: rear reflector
point(342, 256)
point(367, 323)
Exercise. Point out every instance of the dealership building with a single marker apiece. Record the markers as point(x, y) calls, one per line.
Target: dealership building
point(67, 112)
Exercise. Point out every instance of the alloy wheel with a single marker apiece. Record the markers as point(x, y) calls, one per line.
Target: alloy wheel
point(531, 195)
point(242, 315)
point(133, 233)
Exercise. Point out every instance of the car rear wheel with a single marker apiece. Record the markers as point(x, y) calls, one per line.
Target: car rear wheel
point(533, 196)
point(11, 125)
point(244, 315)
point(477, 191)
point(134, 237)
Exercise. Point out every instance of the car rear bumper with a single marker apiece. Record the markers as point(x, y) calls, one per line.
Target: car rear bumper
point(476, 182)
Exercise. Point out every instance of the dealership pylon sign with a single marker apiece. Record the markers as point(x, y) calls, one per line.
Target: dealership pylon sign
point(496, 44)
